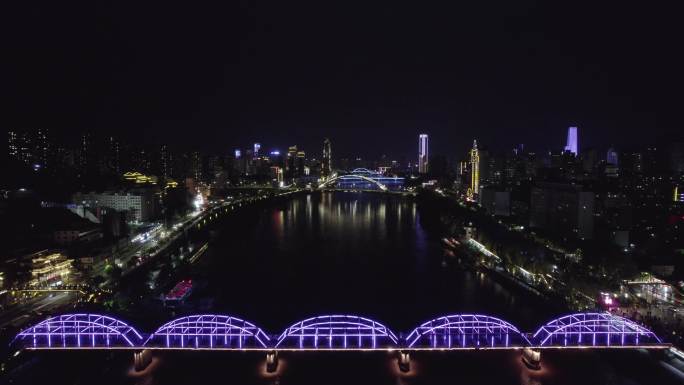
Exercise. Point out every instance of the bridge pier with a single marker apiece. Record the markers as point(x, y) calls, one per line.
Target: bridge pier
point(532, 358)
point(404, 362)
point(142, 359)
point(272, 361)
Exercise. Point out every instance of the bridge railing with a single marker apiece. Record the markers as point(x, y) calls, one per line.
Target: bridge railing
point(594, 330)
point(337, 332)
point(466, 331)
point(79, 331)
point(208, 331)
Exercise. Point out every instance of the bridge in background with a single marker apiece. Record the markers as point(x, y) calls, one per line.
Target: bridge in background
point(362, 179)
point(337, 333)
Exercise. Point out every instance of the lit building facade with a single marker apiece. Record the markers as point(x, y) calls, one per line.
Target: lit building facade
point(50, 269)
point(423, 153)
point(571, 144)
point(678, 195)
point(140, 205)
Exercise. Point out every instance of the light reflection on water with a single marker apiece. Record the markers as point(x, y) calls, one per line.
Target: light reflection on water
point(354, 253)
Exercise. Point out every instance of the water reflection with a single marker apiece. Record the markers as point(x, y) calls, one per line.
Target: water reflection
point(355, 253)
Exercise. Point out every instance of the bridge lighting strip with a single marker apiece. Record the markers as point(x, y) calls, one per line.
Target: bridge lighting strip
point(482, 332)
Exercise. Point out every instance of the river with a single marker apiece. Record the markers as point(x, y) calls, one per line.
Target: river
point(366, 254)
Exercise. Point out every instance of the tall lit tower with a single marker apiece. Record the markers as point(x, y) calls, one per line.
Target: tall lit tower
point(612, 157)
point(571, 144)
point(423, 154)
point(257, 147)
point(326, 168)
point(474, 188)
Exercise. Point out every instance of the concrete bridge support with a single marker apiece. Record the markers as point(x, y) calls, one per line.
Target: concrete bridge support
point(404, 362)
point(532, 358)
point(142, 359)
point(272, 361)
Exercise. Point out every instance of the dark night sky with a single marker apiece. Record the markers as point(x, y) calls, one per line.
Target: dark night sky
point(370, 77)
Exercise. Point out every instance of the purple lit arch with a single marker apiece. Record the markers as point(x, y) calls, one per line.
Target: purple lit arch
point(337, 332)
point(594, 330)
point(466, 331)
point(208, 331)
point(79, 331)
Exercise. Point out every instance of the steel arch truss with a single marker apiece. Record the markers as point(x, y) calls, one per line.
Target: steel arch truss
point(337, 332)
point(79, 331)
point(350, 177)
point(466, 331)
point(209, 331)
point(594, 330)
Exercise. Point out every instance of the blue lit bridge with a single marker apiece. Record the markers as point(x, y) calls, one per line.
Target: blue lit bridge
point(337, 333)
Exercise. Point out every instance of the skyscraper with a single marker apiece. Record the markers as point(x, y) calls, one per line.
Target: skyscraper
point(326, 167)
point(423, 153)
point(301, 163)
point(113, 159)
point(257, 147)
point(612, 157)
point(164, 161)
point(291, 162)
point(13, 144)
point(41, 151)
point(571, 144)
point(85, 159)
point(474, 188)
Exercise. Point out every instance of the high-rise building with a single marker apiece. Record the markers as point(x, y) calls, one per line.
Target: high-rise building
point(326, 167)
point(196, 166)
point(423, 153)
point(301, 163)
point(474, 189)
point(20, 146)
point(612, 157)
point(165, 164)
point(290, 163)
point(562, 208)
point(257, 147)
point(85, 159)
point(114, 156)
point(13, 144)
point(571, 144)
point(41, 151)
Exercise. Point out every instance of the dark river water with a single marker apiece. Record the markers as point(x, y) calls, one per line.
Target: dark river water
point(349, 253)
point(359, 254)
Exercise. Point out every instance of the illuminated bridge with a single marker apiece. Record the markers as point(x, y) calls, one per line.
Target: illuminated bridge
point(362, 179)
point(339, 333)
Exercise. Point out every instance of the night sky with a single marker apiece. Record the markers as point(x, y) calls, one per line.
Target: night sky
point(370, 77)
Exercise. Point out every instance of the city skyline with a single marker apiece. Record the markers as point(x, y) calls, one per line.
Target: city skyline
point(305, 193)
point(41, 141)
